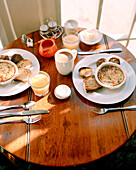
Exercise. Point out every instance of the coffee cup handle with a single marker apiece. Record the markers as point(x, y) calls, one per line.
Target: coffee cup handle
point(74, 52)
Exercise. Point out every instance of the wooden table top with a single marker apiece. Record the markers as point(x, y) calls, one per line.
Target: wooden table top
point(71, 134)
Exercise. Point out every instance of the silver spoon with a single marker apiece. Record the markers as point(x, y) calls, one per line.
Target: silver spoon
point(26, 105)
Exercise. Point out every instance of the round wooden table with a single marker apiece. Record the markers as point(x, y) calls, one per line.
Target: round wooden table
point(71, 134)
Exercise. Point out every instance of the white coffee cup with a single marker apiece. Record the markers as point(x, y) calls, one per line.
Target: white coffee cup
point(64, 60)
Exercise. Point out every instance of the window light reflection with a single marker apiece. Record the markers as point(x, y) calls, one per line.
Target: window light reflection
point(20, 142)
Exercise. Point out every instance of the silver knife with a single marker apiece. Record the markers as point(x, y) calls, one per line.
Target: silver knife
point(115, 50)
point(24, 113)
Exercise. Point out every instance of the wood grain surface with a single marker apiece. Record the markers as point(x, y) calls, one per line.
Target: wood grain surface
point(71, 134)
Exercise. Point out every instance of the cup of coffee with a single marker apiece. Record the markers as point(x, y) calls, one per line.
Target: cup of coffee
point(64, 60)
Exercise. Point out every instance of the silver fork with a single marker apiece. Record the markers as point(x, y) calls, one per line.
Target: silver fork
point(105, 110)
point(28, 120)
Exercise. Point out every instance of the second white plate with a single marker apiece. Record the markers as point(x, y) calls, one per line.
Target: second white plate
point(104, 95)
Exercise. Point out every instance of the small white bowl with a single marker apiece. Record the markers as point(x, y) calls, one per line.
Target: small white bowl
point(62, 91)
point(90, 36)
point(110, 64)
point(16, 71)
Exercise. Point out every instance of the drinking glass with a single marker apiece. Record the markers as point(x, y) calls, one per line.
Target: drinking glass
point(40, 83)
point(71, 26)
point(70, 41)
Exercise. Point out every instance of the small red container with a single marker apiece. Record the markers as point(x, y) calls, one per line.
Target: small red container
point(48, 47)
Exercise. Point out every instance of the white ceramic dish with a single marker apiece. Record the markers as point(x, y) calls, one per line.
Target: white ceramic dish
point(16, 87)
point(110, 64)
point(62, 91)
point(90, 36)
point(16, 71)
point(104, 95)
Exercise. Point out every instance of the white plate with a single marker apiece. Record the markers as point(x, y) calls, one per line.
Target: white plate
point(104, 95)
point(16, 87)
point(96, 36)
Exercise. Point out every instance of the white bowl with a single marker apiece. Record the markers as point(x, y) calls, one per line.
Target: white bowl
point(16, 71)
point(62, 91)
point(90, 36)
point(110, 86)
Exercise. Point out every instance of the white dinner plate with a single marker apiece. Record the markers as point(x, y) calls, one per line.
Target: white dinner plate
point(16, 87)
point(104, 95)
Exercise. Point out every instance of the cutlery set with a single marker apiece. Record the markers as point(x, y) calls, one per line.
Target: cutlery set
point(38, 113)
point(32, 115)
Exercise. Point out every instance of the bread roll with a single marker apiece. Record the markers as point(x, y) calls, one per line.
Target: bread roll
point(85, 71)
point(4, 57)
point(100, 61)
point(16, 58)
point(114, 60)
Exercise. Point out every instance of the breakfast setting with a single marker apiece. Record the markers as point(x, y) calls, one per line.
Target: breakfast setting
point(19, 69)
point(67, 81)
point(96, 71)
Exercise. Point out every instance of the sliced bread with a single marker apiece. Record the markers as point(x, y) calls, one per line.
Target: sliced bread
point(90, 83)
point(23, 74)
point(24, 64)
